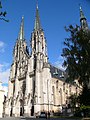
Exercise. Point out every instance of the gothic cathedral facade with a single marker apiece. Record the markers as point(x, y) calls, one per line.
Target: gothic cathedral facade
point(34, 84)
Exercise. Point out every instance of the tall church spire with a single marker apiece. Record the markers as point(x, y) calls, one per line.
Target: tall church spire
point(82, 14)
point(21, 33)
point(37, 25)
point(83, 19)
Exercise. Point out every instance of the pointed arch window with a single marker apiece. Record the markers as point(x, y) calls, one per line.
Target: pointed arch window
point(53, 93)
point(57, 84)
point(63, 86)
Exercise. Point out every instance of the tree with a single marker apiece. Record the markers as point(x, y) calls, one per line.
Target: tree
point(73, 102)
point(84, 100)
point(84, 97)
point(77, 55)
point(3, 14)
point(77, 63)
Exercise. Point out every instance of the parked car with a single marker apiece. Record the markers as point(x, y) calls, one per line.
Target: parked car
point(42, 115)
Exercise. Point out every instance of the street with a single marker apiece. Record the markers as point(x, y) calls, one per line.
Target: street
point(22, 118)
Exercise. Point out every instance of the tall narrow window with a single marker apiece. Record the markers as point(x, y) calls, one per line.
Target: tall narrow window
point(57, 84)
point(53, 91)
point(60, 92)
point(63, 86)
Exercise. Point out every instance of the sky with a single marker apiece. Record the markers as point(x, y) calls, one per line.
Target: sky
point(54, 16)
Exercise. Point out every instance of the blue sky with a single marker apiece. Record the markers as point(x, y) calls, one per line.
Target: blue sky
point(54, 15)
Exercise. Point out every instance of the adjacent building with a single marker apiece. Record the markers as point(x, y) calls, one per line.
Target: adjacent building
point(2, 92)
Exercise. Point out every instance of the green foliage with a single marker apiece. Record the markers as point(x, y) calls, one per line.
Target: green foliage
point(85, 110)
point(77, 55)
point(77, 63)
point(82, 101)
point(84, 107)
point(3, 14)
point(73, 100)
point(84, 97)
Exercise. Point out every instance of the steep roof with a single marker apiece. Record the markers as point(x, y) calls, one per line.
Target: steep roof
point(58, 73)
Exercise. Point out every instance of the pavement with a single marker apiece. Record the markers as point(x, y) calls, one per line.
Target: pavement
point(28, 118)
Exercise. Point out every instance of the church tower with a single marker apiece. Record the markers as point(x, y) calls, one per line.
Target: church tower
point(83, 20)
point(40, 69)
point(18, 73)
point(34, 84)
point(38, 44)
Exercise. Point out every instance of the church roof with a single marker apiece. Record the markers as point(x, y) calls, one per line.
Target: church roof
point(58, 73)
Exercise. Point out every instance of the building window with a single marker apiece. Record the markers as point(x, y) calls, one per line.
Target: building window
point(57, 84)
point(70, 89)
point(53, 92)
point(76, 90)
point(66, 92)
point(13, 88)
point(60, 93)
point(63, 86)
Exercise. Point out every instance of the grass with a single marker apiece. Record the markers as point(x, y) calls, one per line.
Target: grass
point(78, 118)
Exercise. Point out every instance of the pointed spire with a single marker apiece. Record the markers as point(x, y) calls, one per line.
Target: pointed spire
point(21, 33)
point(83, 19)
point(37, 4)
point(37, 25)
point(82, 14)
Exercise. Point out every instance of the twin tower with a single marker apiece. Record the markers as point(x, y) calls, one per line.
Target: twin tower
point(34, 84)
point(30, 75)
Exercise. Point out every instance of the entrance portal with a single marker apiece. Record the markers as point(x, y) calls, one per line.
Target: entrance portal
point(32, 111)
point(21, 108)
point(11, 113)
point(21, 111)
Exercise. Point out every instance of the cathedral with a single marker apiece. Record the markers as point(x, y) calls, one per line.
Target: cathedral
point(34, 84)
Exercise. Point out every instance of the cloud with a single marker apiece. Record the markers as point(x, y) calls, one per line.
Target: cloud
point(2, 47)
point(4, 76)
point(5, 88)
point(4, 72)
point(59, 63)
point(4, 66)
point(1, 44)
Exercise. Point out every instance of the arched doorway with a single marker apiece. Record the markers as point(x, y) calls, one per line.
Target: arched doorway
point(32, 107)
point(21, 108)
point(11, 112)
point(32, 111)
